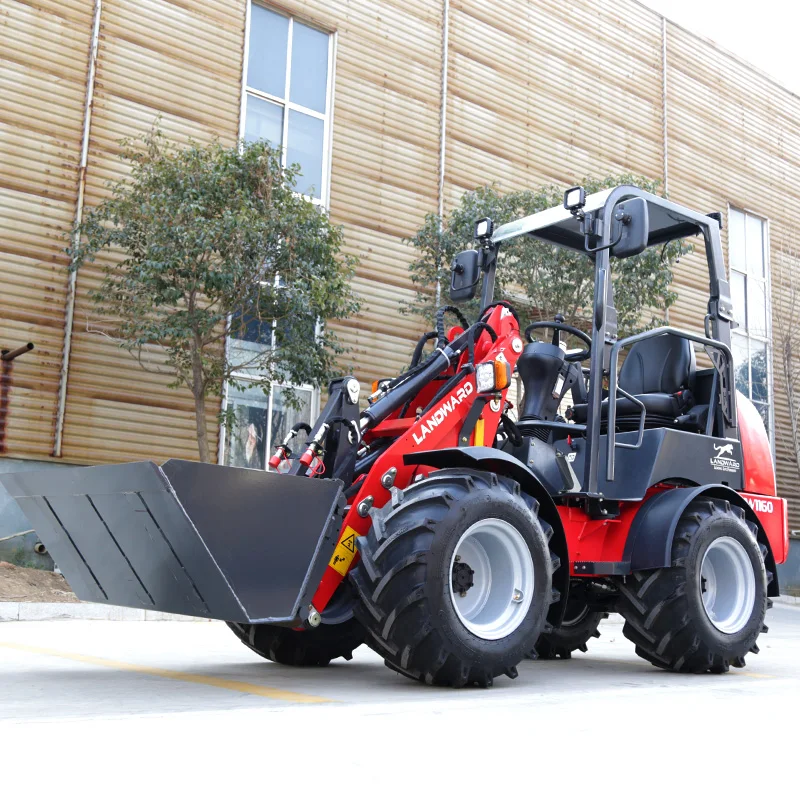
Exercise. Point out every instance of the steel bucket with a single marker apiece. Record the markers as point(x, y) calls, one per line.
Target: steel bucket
point(225, 543)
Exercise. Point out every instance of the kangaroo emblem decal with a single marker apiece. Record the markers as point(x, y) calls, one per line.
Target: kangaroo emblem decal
point(723, 449)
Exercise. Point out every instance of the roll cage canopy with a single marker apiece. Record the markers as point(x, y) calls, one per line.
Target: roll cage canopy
point(590, 224)
point(667, 222)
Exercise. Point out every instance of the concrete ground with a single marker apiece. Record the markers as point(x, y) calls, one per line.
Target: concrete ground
point(116, 709)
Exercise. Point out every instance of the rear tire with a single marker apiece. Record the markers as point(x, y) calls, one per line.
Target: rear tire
point(580, 624)
point(455, 578)
point(705, 612)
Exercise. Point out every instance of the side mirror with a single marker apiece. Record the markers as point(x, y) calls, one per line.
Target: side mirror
point(465, 273)
point(631, 228)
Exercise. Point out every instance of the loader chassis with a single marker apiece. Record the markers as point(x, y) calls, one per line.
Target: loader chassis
point(451, 537)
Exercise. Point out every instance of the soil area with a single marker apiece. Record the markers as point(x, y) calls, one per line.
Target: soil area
point(25, 585)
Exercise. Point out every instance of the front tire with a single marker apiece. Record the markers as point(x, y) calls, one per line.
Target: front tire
point(337, 637)
point(455, 578)
point(705, 612)
point(308, 648)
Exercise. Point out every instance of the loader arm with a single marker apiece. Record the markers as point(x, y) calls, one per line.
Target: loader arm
point(459, 416)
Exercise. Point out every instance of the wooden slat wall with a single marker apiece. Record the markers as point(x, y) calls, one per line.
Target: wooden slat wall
point(385, 159)
point(734, 138)
point(537, 93)
point(541, 93)
point(180, 60)
point(44, 50)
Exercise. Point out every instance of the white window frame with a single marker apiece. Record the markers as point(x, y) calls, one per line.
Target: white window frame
point(744, 333)
point(323, 200)
point(327, 117)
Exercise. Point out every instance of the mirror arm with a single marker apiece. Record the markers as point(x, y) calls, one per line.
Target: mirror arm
point(588, 223)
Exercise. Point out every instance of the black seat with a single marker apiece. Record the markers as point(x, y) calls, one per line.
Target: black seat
point(660, 372)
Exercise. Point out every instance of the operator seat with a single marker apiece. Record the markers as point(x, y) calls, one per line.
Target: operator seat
point(660, 372)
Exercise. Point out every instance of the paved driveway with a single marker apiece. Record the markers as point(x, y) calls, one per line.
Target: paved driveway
point(180, 708)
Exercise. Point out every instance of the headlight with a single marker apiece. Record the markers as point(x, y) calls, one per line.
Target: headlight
point(484, 377)
point(494, 375)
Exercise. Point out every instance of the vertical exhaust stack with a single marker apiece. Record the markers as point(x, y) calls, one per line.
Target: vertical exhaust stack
point(224, 543)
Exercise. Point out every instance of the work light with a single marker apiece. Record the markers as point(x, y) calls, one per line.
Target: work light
point(493, 376)
point(484, 228)
point(575, 198)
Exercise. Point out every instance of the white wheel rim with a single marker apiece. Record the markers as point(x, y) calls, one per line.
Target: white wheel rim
point(728, 585)
point(502, 580)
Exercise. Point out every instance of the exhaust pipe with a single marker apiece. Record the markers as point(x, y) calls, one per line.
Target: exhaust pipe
point(40, 548)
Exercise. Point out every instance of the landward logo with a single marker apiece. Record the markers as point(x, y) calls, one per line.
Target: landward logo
point(444, 409)
point(723, 460)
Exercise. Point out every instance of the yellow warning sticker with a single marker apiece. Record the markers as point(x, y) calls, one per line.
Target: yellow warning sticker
point(345, 551)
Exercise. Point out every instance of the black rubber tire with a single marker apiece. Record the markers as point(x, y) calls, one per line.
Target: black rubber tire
point(315, 647)
point(403, 578)
point(663, 608)
point(579, 626)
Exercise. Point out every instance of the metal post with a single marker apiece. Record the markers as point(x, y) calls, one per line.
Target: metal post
point(489, 254)
point(596, 368)
point(443, 129)
point(72, 280)
point(664, 125)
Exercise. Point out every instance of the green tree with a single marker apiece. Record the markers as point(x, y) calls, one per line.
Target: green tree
point(205, 242)
point(540, 279)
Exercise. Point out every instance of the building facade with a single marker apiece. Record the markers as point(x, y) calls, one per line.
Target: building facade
point(393, 109)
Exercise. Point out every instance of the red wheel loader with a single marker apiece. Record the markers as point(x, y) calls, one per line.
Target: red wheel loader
point(450, 538)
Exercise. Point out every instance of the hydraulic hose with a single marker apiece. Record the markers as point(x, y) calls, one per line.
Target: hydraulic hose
point(449, 386)
point(442, 338)
point(424, 339)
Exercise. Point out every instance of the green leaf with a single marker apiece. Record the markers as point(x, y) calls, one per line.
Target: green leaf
point(197, 236)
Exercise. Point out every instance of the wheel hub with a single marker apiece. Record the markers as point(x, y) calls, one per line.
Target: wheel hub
point(462, 578)
point(727, 585)
point(492, 579)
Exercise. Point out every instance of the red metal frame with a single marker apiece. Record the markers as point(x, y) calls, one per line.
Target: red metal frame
point(759, 470)
point(448, 415)
point(760, 485)
point(588, 540)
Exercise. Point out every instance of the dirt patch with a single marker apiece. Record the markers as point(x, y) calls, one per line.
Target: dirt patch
point(24, 585)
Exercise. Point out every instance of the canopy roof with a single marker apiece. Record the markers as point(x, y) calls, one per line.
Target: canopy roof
point(558, 226)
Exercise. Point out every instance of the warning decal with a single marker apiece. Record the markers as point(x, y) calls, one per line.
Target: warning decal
point(345, 551)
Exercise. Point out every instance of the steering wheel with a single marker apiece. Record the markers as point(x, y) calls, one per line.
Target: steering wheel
point(558, 324)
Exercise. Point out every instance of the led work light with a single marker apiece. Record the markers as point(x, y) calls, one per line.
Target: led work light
point(493, 376)
point(484, 228)
point(575, 198)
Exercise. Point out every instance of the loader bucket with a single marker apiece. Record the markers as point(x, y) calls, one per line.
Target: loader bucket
point(224, 543)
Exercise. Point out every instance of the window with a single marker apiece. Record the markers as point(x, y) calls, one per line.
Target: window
point(749, 277)
point(287, 101)
point(261, 420)
point(287, 96)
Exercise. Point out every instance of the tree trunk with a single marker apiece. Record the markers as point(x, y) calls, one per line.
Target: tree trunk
point(198, 390)
point(202, 430)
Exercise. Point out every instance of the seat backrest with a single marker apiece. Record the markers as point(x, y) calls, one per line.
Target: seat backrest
point(663, 364)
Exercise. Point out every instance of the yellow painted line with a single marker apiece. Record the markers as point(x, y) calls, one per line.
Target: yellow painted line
point(754, 675)
point(188, 677)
